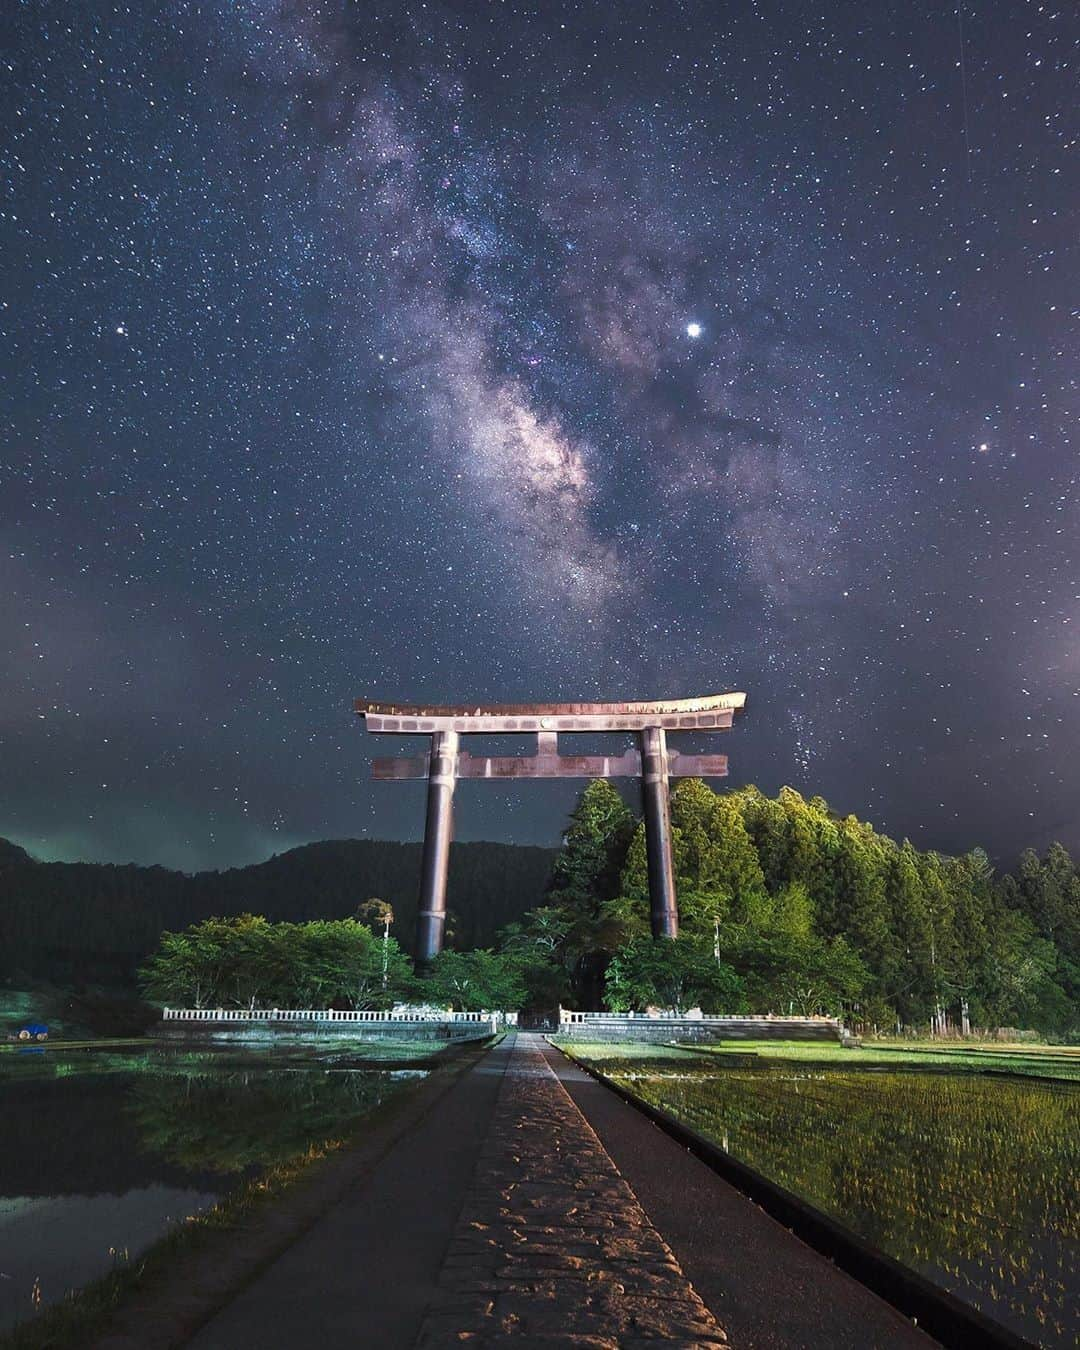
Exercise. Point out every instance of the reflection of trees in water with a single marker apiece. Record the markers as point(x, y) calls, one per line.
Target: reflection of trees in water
point(970, 1180)
point(229, 1121)
point(75, 1136)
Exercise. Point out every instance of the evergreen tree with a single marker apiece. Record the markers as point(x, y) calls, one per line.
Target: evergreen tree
point(906, 980)
point(857, 908)
point(586, 871)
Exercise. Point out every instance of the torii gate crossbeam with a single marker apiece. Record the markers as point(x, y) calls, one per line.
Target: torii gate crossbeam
point(446, 762)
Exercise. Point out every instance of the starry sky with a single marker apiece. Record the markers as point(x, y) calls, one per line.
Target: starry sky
point(502, 351)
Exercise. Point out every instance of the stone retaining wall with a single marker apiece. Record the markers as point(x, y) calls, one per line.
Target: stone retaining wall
point(692, 1030)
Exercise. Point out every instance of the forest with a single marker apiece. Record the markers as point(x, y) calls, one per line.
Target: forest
point(785, 906)
point(247, 962)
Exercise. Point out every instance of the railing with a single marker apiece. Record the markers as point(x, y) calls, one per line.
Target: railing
point(330, 1015)
point(568, 1016)
point(694, 1027)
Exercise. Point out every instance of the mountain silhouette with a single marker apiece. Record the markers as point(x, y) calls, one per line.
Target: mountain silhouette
point(95, 922)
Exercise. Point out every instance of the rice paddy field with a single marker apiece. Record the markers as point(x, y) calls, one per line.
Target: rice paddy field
point(104, 1152)
point(960, 1167)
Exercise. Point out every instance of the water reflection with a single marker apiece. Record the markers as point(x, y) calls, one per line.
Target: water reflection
point(225, 1122)
point(95, 1165)
point(49, 1245)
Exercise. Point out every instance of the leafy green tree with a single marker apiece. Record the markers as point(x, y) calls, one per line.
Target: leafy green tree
point(695, 843)
point(786, 832)
point(177, 973)
point(585, 876)
point(248, 962)
point(717, 874)
point(540, 947)
point(676, 975)
point(908, 978)
point(350, 965)
point(475, 981)
point(542, 934)
point(716, 854)
point(1016, 975)
point(1048, 892)
point(792, 912)
point(858, 908)
point(634, 878)
point(833, 979)
point(788, 972)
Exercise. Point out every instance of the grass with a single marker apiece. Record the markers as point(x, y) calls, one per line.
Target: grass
point(1038, 1061)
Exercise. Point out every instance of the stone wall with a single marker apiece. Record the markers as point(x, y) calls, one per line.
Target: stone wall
point(658, 1029)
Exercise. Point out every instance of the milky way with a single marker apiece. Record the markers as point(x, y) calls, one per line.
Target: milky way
point(479, 352)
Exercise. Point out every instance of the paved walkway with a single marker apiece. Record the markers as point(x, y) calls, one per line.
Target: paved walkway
point(530, 1206)
point(362, 1276)
point(552, 1247)
point(768, 1288)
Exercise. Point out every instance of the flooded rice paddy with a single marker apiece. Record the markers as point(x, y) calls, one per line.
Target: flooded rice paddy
point(969, 1179)
point(102, 1153)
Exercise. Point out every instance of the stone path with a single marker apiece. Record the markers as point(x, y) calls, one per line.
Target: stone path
point(552, 1247)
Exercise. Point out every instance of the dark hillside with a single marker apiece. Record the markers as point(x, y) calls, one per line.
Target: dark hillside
point(94, 922)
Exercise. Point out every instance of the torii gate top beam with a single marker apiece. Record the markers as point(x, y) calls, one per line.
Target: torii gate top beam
point(446, 762)
point(713, 712)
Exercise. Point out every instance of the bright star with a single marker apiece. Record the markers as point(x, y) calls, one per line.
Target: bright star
point(693, 330)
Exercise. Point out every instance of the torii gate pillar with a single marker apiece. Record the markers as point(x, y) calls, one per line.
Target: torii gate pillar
point(663, 911)
point(438, 832)
point(446, 763)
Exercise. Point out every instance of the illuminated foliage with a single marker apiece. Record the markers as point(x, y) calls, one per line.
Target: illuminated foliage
point(817, 913)
point(247, 962)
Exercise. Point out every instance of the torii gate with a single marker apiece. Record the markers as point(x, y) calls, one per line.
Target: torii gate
point(446, 762)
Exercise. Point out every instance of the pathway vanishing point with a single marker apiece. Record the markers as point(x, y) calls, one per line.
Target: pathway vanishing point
point(532, 1207)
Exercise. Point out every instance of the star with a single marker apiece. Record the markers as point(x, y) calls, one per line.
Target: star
point(693, 330)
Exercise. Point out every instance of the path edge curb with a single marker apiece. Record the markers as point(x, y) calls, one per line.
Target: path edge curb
point(935, 1311)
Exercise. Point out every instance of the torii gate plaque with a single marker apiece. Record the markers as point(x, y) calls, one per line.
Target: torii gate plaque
point(446, 763)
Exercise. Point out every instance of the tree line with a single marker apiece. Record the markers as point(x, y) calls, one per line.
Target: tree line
point(787, 907)
point(248, 962)
point(94, 923)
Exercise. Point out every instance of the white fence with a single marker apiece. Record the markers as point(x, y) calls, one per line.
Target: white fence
point(418, 1017)
point(567, 1015)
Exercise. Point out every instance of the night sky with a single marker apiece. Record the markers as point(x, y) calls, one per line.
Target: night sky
point(496, 352)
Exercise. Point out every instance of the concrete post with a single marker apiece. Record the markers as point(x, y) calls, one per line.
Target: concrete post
point(663, 910)
point(438, 831)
